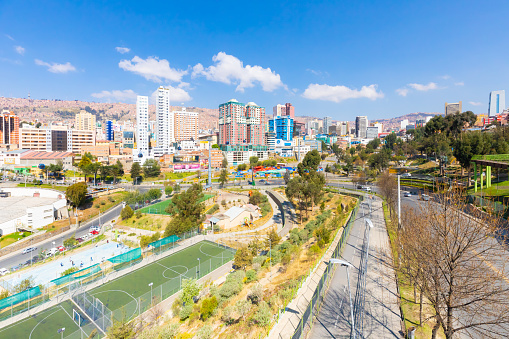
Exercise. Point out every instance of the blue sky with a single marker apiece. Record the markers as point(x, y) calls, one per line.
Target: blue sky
point(335, 58)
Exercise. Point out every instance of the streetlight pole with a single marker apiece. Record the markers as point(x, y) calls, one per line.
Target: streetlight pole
point(347, 265)
point(61, 331)
point(151, 284)
point(199, 268)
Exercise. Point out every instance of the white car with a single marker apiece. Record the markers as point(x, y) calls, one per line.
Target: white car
point(95, 228)
point(29, 249)
point(406, 175)
point(3, 271)
point(425, 197)
point(407, 194)
point(367, 189)
point(51, 252)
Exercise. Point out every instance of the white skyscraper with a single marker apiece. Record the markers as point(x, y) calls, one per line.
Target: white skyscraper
point(278, 110)
point(497, 103)
point(165, 121)
point(361, 125)
point(142, 135)
point(327, 122)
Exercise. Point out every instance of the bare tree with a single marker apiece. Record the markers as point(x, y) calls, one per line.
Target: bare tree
point(388, 188)
point(458, 267)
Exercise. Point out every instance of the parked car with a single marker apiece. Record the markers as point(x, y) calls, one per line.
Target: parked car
point(3, 271)
point(94, 232)
point(79, 240)
point(95, 228)
point(406, 175)
point(359, 187)
point(366, 188)
point(85, 237)
point(407, 194)
point(425, 197)
point(51, 252)
point(29, 249)
point(61, 248)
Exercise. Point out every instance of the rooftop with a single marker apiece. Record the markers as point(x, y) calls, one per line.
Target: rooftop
point(16, 207)
point(45, 155)
point(234, 212)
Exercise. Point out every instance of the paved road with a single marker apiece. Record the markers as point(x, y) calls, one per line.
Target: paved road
point(382, 318)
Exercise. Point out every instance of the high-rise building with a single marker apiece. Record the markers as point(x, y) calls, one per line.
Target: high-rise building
point(84, 121)
point(278, 110)
point(361, 125)
point(165, 121)
point(327, 122)
point(289, 110)
point(9, 128)
point(344, 129)
point(142, 133)
point(110, 136)
point(241, 124)
point(497, 103)
point(452, 107)
point(186, 125)
point(283, 127)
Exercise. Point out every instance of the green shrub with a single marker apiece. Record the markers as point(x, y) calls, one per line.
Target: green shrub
point(227, 315)
point(263, 315)
point(205, 332)
point(138, 214)
point(131, 234)
point(315, 249)
point(103, 203)
point(69, 271)
point(255, 295)
point(127, 212)
point(229, 289)
point(110, 199)
point(251, 276)
point(207, 307)
point(260, 260)
point(186, 311)
point(285, 260)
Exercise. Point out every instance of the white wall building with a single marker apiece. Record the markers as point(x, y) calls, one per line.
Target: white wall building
point(327, 122)
point(30, 208)
point(497, 103)
point(165, 121)
point(142, 130)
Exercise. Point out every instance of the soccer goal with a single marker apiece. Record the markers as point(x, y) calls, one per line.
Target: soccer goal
point(77, 317)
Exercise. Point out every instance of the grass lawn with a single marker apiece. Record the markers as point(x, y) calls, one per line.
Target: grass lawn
point(151, 222)
point(122, 295)
point(58, 188)
point(160, 207)
point(11, 238)
point(45, 324)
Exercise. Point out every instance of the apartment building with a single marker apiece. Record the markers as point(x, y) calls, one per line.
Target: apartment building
point(9, 128)
point(84, 121)
point(185, 125)
point(56, 138)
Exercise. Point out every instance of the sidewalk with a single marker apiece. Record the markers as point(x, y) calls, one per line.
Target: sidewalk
point(382, 318)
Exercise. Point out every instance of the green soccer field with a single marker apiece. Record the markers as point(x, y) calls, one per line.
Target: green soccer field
point(131, 294)
point(160, 207)
point(45, 324)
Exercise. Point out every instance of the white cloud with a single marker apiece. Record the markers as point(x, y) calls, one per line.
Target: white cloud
point(230, 70)
point(402, 91)
point(20, 50)
point(340, 93)
point(127, 95)
point(319, 73)
point(474, 103)
point(445, 77)
point(152, 69)
point(461, 83)
point(123, 50)
point(56, 68)
point(420, 87)
point(9, 37)
point(177, 95)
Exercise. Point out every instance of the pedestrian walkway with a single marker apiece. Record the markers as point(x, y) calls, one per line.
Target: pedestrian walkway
point(382, 318)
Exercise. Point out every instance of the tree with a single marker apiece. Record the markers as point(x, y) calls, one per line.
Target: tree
point(224, 163)
point(94, 168)
point(338, 151)
point(273, 239)
point(189, 210)
point(455, 263)
point(380, 160)
point(388, 189)
point(55, 169)
point(135, 171)
point(76, 194)
point(243, 258)
point(84, 166)
point(241, 167)
point(190, 289)
point(310, 163)
point(153, 194)
point(127, 212)
point(390, 140)
point(223, 177)
point(287, 177)
point(168, 190)
point(121, 330)
point(117, 170)
point(151, 168)
point(215, 146)
point(252, 163)
point(104, 171)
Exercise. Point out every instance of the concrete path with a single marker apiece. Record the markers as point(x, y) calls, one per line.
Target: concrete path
point(382, 317)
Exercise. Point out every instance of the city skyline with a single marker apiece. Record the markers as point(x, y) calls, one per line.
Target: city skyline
point(112, 53)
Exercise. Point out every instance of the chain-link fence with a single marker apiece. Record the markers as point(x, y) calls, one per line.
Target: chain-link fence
point(95, 310)
point(316, 300)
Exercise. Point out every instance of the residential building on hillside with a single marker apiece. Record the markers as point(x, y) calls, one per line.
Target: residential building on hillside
point(84, 121)
point(9, 128)
point(241, 124)
point(452, 107)
point(497, 103)
point(185, 125)
point(361, 124)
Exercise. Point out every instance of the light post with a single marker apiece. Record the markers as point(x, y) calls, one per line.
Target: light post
point(61, 331)
point(199, 268)
point(53, 247)
point(347, 265)
point(151, 300)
